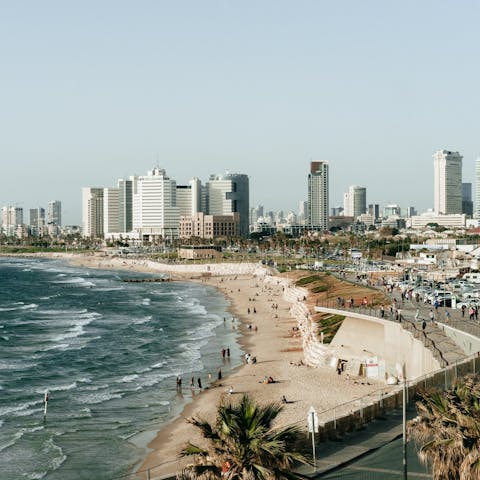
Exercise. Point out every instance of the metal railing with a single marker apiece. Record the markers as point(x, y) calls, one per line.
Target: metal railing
point(407, 324)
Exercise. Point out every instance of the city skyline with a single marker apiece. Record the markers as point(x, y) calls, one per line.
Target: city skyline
point(258, 88)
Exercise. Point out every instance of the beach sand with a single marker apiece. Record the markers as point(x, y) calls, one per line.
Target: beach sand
point(271, 340)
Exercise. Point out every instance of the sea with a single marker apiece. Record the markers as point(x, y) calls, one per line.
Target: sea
point(108, 352)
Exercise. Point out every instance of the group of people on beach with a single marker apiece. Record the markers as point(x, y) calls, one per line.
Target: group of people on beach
point(225, 352)
point(249, 359)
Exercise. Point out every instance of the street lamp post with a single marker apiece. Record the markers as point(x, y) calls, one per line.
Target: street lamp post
point(404, 423)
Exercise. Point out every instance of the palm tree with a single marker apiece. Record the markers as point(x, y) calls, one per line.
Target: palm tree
point(448, 429)
point(242, 445)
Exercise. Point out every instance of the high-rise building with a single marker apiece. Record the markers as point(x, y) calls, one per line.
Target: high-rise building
point(447, 182)
point(54, 213)
point(12, 217)
point(125, 204)
point(317, 199)
point(302, 211)
point(355, 201)
point(467, 202)
point(111, 210)
point(228, 194)
point(477, 188)
point(196, 193)
point(155, 211)
point(92, 212)
point(184, 199)
point(37, 221)
point(374, 209)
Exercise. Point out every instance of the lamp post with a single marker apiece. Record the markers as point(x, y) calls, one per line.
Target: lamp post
point(404, 423)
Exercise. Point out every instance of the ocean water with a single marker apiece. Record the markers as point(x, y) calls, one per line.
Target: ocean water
point(109, 353)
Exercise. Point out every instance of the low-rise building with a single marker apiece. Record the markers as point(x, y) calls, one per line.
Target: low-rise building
point(209, 226)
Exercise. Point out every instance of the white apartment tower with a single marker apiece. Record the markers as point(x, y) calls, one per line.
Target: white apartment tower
point(355, 201)
point(196, 193)
point(92, 212)
point(448, 182)
point(155, 211)
point(54, 213)
point(317, 200)
point(12, 217)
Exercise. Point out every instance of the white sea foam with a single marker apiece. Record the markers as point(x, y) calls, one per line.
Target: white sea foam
point(146, 301)
point(141, 320)
point(75, 281)
point(62, 312)
point(60, 456)
point(13, 410)
point(128, 378)
point(10, 443)
point(18, 306)
point(98, 397)
point(159, 364)
point(57, 388)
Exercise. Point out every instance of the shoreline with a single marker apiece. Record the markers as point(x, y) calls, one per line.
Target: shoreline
point(276, 345)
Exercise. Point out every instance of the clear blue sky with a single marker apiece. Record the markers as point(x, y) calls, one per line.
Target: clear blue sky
point(92, 91)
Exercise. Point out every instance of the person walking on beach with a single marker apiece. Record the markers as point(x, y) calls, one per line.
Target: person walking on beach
point(192, 382)
point(199, 381)
point(382, 311)
point(219, 376)
point(223, 353)
point(228, 352)
point(424, 325)
point(431, 315)
point(179, 382)
point(417, 314)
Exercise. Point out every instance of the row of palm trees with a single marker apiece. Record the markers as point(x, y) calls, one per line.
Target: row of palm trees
point(242, 443)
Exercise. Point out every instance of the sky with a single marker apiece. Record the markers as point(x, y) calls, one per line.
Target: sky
point(94, 91)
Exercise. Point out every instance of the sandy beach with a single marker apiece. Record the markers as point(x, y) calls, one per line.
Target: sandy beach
point(267, 333)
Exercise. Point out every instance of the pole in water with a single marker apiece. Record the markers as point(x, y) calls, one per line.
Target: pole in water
point(45, 405)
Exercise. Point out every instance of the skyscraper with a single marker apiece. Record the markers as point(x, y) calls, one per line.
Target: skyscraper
point(447, 182)
point(37, 220)
point(317, 199)
point(125, 204)
point(155, 211)
point(355, 201)
point(228, 194)
point(92, 212)
point(111, 204)
point(54, 213)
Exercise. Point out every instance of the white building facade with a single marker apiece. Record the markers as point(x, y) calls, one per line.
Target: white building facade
point(155, 211)
point(318, 196)
point(355, 201)
point(92, 212)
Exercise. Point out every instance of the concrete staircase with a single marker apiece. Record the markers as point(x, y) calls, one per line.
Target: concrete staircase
point(444, 349)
